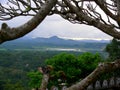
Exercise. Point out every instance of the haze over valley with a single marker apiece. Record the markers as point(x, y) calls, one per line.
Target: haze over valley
point(54, 44)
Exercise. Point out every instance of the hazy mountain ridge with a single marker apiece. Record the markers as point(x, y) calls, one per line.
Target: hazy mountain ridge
point(53, 42)
point(56, 39)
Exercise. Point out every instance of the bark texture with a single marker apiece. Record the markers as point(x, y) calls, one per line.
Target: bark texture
point(83, 84)
point(7, 33)
point(44, 82)
point(82, 16)
point(102, 68)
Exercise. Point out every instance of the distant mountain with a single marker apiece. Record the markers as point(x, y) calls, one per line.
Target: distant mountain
point(53, 42)
point(58, 40)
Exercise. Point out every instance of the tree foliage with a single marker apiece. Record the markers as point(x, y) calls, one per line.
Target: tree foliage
point(16, 86)
point(113, 49)
point(35, 79)
point(70, 68)
point(65, 67)
point(88, 62)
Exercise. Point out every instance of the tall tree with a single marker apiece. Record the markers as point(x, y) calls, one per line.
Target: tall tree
point(102, 14)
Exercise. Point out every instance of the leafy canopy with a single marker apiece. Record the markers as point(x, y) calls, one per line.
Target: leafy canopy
point(67, 69)
point(70, 68)
point(113, 49)
point(35, 79)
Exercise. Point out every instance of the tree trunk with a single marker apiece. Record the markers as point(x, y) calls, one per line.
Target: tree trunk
point(44, 82)
point(102, 68)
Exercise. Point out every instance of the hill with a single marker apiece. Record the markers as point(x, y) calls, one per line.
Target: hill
point(53, 43)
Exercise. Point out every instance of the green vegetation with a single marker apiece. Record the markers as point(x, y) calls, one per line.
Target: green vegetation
point(88, 62)
point(113, 48)
point(19, 63)
point(66, 68)
point(69, 68)
point(53, 43)
point(15, 65)
point(35, 79)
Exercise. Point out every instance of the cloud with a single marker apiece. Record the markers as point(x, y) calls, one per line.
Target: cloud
point(56, 26)
point(3, 1)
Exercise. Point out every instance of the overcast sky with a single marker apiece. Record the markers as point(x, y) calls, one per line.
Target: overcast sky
point(56, 26)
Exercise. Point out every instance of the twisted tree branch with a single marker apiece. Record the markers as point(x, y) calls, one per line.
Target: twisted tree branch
point(8, 33)
point(84, 18)
point(102, 68)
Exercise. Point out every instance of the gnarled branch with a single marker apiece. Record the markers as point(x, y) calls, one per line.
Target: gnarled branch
point(102, 68)
point(14, 33)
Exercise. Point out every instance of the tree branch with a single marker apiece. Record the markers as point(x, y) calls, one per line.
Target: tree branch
point(46, 75)
point(84, 18)
point(14, 33)
point(102, 68)
point(105, 9)
point(108, 12)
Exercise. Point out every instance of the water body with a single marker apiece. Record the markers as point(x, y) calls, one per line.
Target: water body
point(64, 49)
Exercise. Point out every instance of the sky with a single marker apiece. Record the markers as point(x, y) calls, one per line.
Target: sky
point(56, 26)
